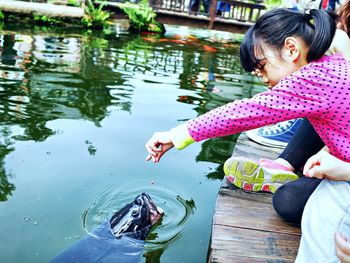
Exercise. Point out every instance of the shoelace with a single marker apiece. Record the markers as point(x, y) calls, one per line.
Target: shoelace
point(278, 128)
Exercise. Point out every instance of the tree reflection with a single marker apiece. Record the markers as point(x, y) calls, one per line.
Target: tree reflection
point(6, 188)
point(48, 75)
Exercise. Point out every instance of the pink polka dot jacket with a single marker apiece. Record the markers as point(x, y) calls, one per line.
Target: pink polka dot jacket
point(319, 91)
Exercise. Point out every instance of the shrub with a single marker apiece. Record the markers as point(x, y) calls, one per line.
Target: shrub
point(95, 16)
point(142, 17)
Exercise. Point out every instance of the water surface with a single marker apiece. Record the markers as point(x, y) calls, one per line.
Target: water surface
point(76, 111)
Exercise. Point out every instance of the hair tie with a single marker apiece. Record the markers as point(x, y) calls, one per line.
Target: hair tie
point(307, 15)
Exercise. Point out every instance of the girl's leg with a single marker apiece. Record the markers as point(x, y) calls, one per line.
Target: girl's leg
point(289, 200)
point(305, 143)
point(267, 175)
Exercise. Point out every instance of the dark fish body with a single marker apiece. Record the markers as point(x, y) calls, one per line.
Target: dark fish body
point(120, 239)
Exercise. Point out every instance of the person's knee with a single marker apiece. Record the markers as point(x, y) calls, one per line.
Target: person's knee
point(287, 204)
point(290, 199)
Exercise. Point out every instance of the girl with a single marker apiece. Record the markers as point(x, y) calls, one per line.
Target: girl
point(332, 197)
point(287, 50)
point(289, 200)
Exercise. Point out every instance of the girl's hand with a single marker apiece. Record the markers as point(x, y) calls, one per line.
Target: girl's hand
point(159, 144)
point(257, 72)
point(324, 165)
point(342, 248)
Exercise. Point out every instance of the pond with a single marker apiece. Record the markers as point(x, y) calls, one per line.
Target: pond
point(76, 111)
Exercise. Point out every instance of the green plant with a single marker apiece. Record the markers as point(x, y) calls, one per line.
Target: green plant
point(2, 16)
point(271, 4)
point(142, 17)
point(73, 2)
point(95, 16)
point(46, 20)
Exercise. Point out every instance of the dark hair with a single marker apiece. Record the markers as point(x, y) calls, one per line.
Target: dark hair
point(315, 27)
point(344, 17)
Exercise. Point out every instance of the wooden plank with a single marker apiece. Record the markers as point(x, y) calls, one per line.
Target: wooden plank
point(50, 10)
point(245, 226)
point(246, 245)
point(236, 208)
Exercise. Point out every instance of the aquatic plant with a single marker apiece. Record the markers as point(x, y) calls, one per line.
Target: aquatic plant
point(2, 16)
point(94, 16)
point(38, 19)
point(142, 17)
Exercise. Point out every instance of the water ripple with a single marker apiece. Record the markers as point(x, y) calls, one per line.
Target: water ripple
point(177, 210)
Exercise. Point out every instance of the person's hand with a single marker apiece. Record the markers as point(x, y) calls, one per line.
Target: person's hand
point(342, 248)
point(159, 144)
point(257, 72)
point(324, 165)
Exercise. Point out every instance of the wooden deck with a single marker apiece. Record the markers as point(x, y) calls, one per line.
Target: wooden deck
point(245, 226)
point(237, 18)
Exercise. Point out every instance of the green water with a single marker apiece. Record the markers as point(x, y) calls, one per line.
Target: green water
point(76, 111)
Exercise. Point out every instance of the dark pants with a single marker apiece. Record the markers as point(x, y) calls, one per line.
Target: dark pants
point(289, 200)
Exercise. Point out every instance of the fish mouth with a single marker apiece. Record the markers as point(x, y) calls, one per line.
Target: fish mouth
point(155, 212)
point(156, 215)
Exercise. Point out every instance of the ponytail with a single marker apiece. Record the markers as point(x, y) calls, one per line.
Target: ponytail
point(315, 27)
point(324, 30)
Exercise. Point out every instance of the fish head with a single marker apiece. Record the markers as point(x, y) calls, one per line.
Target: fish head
point(136, 218)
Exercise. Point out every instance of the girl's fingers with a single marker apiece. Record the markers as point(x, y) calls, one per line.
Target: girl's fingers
point(159, 143)
point(342, 248)
point(153, 146)
point(311, 162)
point(150, 157)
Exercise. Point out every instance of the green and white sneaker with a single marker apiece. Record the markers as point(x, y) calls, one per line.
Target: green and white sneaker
point(265, 175)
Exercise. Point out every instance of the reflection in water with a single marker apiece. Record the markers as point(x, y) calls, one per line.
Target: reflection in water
point(6, 188)
point(47, 78)
point(51, 77)
point(91, 149)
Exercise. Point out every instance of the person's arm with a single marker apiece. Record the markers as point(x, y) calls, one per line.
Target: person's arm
point(287, 100)
point(341, 44)
point(342, 248)
point(324, 165)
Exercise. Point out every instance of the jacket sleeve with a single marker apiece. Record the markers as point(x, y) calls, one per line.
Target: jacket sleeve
point(299, 95)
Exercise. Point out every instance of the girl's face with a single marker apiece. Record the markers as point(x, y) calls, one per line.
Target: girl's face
point(273, 66)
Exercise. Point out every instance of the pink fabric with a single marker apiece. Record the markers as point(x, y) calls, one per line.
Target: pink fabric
point(319, 91)
point(267, 163)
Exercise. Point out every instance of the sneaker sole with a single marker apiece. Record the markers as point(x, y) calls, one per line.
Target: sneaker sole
point(249, 176)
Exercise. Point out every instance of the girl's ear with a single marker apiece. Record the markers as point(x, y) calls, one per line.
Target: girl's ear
point(291, 49)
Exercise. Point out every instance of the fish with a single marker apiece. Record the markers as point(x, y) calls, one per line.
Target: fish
point(209, 48)
point(121, 238)
point(150, 39)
